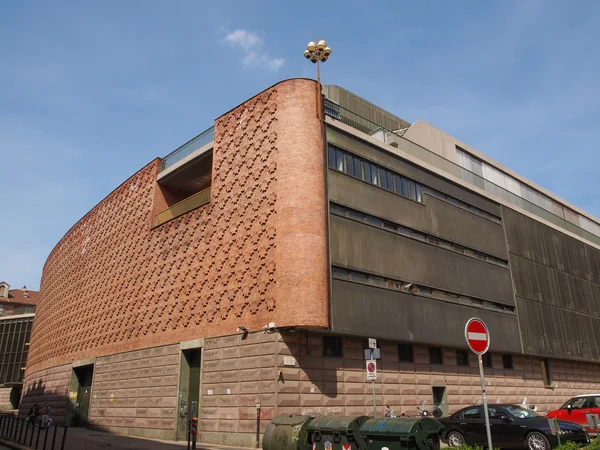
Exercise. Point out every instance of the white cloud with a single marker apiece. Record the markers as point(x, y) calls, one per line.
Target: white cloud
point(254, 54)
point(244, 39)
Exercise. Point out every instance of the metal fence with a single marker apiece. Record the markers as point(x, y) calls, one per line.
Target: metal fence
point(30, 433)
point(396, 139)
point(206, 137)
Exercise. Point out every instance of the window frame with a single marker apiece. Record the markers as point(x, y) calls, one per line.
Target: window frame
point(431, 351)
point(410, 352)
point(508, 358)
point(462, 358)
point(337, 348)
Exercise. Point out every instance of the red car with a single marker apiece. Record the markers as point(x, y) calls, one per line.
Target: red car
point(575, 410)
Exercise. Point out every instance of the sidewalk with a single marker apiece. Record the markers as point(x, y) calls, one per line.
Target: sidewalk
point(83, 439)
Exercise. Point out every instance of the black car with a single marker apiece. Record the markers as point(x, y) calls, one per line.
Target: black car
point(512, 426)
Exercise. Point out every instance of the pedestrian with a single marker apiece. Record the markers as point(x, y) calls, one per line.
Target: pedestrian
point(46, 411)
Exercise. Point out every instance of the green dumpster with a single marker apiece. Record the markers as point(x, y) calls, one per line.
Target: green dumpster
point(336, 433)
point(287, 433)
point(402, 433)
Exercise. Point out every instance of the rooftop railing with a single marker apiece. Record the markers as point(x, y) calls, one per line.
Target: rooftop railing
point(396, 139)
point(188, 148)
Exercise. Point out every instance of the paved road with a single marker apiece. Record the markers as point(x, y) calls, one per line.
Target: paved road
point(82, 439)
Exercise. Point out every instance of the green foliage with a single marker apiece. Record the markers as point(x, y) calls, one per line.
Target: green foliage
point(594, 445)
point(472, 447)
point(569, 445)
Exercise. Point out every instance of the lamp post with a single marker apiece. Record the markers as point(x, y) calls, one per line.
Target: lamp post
point(316, 54)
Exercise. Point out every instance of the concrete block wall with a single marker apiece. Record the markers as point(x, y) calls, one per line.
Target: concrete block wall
point(5, 399)
point(135, 393)
point(238, 373)
point(48, 385)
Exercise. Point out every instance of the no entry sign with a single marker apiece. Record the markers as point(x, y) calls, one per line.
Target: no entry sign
point(477, 336)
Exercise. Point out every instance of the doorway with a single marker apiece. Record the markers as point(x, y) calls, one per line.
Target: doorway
point(15, 396)
point(440, 398)
point(80, 391)
point(189, 390)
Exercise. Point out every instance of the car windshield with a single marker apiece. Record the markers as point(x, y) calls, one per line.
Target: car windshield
point(521, 413)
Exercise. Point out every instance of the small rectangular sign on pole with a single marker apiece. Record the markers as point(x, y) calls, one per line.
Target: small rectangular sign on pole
point(372, 343)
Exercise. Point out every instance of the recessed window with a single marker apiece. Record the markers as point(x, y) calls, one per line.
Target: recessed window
point(405, 353)
point(487, 360)
point(357, 168)
point(462, 358)
point(332, 346)
point(339, 161)
point(435, 355)
point(546, 377)
point(390, 180)
point(331, 157)
point(507, 361)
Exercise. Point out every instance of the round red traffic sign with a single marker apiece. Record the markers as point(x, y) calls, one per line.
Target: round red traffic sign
point(371, 367)
point(477, 335)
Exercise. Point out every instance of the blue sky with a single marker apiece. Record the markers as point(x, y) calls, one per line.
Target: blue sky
point(92, 91)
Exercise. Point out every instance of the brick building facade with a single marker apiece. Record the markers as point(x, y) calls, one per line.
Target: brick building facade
point(264, 224)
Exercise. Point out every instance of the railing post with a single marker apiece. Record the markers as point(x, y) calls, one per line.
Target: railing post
point(21, 432)
point(46, 436)
point(26, 431)
point(37, 439)
point(54, 437)
point(62, 446)
point(32, 434)
point(11, 421)
point(16, 430)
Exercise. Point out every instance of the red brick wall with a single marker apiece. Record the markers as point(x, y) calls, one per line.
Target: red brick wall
point(257, 253)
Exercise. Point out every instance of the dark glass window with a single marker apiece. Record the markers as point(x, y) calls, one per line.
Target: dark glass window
point(367, 168)
point(405, 353)
point(507, 361)
point(390, 180)
point(419, 193)
point(332, 346)
point(462, 358)
point(349, 165)
point(383, 179)
point(487, 360)
point(337, 210)
point(357, 171)
point(435, 355)
point(374, 175)
point(413, 190)
point(331, 157)
point(404, 187)
point(339, 160)
point(473, 413)
point(339, 272)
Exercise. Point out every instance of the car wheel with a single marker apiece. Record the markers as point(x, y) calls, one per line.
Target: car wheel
point(537, 441)
point(455, 439)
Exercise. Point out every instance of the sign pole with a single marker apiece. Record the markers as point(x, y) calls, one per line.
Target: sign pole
point(374, 400)
point(485, 406)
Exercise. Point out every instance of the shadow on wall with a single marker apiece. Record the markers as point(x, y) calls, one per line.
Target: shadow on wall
point(38, 393)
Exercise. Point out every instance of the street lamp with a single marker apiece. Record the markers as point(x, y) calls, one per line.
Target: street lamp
point(316, 54)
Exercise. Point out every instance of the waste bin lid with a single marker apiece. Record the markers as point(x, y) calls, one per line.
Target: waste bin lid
point(404, 426)
point(325, 423)
point(290, 420)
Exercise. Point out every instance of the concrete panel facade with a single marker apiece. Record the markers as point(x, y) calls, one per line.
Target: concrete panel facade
point(363, 247)
point(433, 216)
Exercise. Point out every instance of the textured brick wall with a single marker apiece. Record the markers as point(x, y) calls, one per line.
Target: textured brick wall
point(206, 272)
point(137, 390)
point(48, 385)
